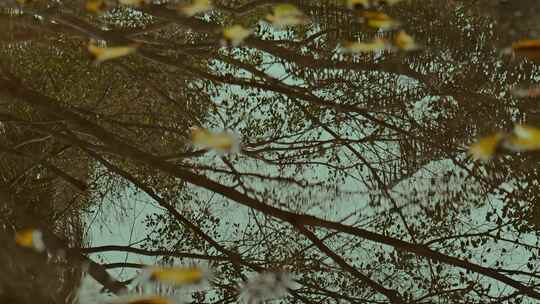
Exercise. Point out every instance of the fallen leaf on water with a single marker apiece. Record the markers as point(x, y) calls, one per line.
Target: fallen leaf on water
point(179, 276)
point(95, 6)
point(30, 238)
point(235, 35)
point(484, 149)
point(196, 7)
point(528, 48)
point(523, 138)
point(406, 42)
point(379, 20)
point(101, 54)
point(222, 141)
point(266, 286)
point(135, 3)
point(286, 15)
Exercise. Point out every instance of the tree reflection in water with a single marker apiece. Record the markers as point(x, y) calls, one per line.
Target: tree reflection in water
point(352, 173)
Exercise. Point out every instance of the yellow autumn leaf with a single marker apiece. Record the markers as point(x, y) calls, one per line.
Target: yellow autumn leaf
point(286, 15)
point(379, 20)
point(101, 54)
point(30, 238)
point(235, 35)
point(135, 3)
point(196, 7)
point(222, 141)
point(523, 138)
point(95, 6)
point(485, 148)
point(405, 42)
point(529, 48)
point(178, 276)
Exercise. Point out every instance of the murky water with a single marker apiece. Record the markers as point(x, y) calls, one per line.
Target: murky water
point(299, 154)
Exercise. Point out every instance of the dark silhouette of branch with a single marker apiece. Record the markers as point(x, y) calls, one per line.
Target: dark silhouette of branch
point(97, 271)
point(124, 265)
point(77, 184)
point(177, 254)
point(392, 295)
